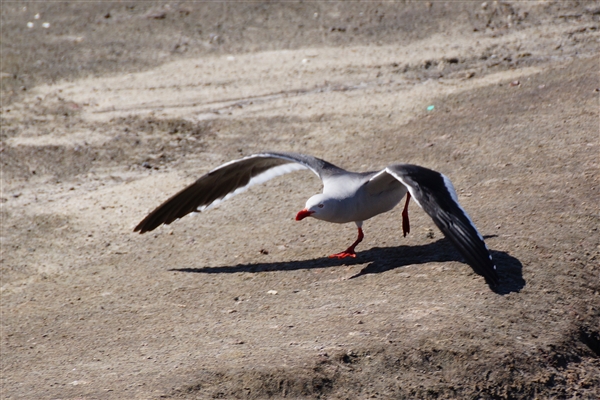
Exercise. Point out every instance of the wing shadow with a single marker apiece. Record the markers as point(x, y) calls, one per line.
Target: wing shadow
point(383, 259)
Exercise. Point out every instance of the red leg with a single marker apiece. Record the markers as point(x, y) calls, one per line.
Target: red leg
point(349, 252)
point(405, 223)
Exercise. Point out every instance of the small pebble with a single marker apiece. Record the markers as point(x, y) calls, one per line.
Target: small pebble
point(272, 292)
point(157, 15)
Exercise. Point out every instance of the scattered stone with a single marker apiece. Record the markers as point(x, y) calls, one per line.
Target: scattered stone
point(157, 15)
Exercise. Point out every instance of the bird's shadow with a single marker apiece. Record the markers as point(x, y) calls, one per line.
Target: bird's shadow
point(383, 259)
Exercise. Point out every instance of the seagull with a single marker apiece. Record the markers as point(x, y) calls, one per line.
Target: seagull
point(347, 197)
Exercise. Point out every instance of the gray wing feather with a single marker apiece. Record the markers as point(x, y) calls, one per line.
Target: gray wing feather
point(230, 179)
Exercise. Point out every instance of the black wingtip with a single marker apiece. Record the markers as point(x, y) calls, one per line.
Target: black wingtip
point(477, 255)
point(142, 228)
point(152, 221)
point(486, 268)
point(139, 229)
point(493, 280)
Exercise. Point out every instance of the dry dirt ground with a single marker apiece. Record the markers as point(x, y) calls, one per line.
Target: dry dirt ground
point(116, 106)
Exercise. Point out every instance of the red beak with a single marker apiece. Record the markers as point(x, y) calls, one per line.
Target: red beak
point(303, 214)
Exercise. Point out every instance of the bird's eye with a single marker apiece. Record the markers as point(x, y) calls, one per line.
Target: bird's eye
point(320, 206)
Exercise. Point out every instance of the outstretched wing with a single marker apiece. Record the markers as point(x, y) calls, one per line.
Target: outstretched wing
point(435, 194)
point(230, 179)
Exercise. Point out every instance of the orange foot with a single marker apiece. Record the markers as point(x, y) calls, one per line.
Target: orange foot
point(349, 252)
point(344, 254)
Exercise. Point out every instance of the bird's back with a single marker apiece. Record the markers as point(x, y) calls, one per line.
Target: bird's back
point(356, 202)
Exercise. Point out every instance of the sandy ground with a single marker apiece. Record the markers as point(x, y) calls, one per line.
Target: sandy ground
point(116, 106)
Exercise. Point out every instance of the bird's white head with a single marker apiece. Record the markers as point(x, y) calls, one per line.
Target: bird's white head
point(318, 206)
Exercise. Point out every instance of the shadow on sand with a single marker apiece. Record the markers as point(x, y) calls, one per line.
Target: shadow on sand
point(383, 259)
